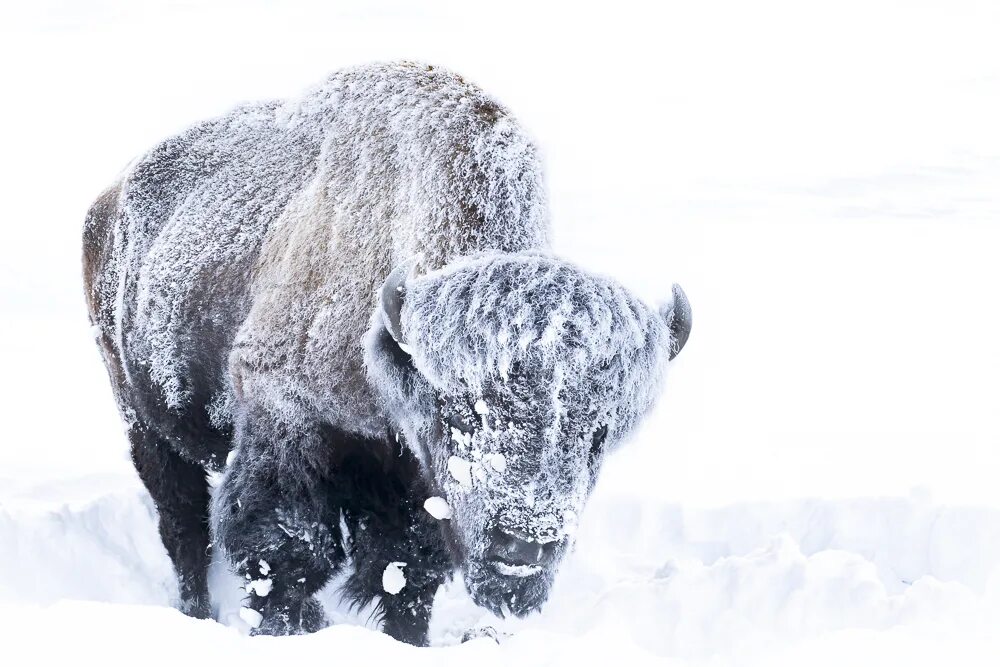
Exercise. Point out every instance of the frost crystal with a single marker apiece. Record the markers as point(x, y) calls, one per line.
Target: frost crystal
point(438, 508)
point(393, 579)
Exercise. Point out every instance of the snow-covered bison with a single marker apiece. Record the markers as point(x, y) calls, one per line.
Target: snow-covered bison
point(345, 303)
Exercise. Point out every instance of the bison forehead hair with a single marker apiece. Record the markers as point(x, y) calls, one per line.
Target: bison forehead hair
point(469, 326)
point(521, 323)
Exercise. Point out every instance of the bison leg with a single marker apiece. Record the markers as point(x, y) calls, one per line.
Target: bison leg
point(180, 493)
point(276, 522)
point(375, 546)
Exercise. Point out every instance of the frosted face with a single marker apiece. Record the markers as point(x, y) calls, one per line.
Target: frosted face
point(510, 377)
point(516, 464)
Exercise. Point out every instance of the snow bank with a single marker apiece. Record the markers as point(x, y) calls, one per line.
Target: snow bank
point(95, 539)
point(763, 583)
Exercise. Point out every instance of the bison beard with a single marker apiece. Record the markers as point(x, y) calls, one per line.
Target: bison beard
point(240, 279)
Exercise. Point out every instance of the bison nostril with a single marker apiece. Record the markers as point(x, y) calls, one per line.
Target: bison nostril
point(521, 552)
point(516, 550)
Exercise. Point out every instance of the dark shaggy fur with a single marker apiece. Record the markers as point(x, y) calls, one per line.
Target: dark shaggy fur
point(285, 509)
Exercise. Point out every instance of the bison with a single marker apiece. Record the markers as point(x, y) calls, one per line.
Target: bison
point(345, 303)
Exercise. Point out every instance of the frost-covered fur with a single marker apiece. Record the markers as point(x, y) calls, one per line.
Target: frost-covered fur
point(524, 370)
point(291, 213)
point(232, 274)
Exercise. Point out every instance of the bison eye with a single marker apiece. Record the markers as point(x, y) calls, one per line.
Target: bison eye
point(598, 438)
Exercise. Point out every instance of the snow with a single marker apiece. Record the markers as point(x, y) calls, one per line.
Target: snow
point(251, 617)
point(509, 570)
point(481, 408)
point(438, 508)
point(748, 583)
point(461, 471)
point(261, 587)
point(497, 461)
point(819, 484)
point(463, 440)
point(393, 579)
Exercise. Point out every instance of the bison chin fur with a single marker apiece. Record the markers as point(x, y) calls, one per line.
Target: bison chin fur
point(505, 596)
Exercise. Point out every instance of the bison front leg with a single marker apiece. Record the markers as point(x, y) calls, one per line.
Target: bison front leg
point(276, 523)
point(401, 566)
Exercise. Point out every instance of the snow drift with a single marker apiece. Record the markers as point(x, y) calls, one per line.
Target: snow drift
point(743, 583)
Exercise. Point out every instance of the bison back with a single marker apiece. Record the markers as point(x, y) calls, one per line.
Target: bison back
point(256, 240)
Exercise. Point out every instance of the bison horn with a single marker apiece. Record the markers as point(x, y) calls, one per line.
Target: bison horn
point(391, 301)
point(678, 316)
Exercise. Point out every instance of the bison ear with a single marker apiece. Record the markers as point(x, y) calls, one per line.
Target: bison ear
point(677, 313)
point(391, 302)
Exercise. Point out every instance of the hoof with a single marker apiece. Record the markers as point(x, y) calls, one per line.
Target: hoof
point(307, 618)
point(479, 633)
point(198, 607)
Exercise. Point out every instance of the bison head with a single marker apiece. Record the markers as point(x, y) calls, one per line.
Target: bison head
point(511, 376)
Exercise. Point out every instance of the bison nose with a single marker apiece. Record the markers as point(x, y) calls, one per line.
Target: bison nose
point(518, 551)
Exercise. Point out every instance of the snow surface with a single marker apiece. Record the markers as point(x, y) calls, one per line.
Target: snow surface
point(819, 484)
point(753, 583)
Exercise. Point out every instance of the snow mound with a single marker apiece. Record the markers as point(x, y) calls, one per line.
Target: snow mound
point(100, 545)
point(766, 583)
